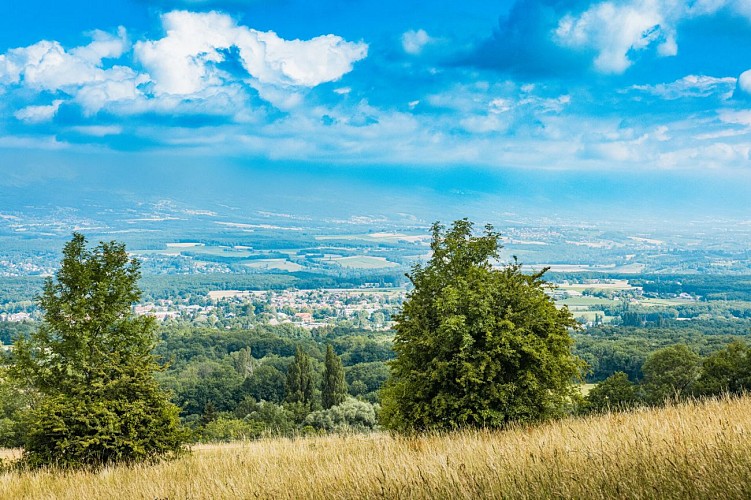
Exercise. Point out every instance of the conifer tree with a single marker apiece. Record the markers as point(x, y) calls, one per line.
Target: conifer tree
point(300, 380)
point(334, 387)
point(91, 369)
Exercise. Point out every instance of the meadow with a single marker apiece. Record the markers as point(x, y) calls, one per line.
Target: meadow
point(698, 449)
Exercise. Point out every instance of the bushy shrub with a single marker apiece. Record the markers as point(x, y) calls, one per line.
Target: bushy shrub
point(616, 392)
point(84, 432)
point(351, 416)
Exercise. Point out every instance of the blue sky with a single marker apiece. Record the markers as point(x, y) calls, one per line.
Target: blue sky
point(611, 90)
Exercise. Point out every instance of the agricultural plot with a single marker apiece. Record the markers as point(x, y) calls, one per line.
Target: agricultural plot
point(279, 264)
point(378, 237)
point(365, 262)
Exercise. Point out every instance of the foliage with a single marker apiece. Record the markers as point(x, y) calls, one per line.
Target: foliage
point(356, 349)
point(12, 403)
point(300, 380)
point(727, 370)
point(670, 373)
point(231, 429)
point(351, 415)
point(334, 387)
point(366, 379)
point(475, 345)
point(267, 383)
point(90, 364)
point(609, 349)
point(616, 392)
point(204, 382)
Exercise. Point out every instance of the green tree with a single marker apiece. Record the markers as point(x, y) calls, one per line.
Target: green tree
point(727, 370)
point(266, 384)
point(349, 415)
point(477, 345)
point(243, 362)
point(300, 380)
point(12, 404)
point(334, 387)
point(670, 373)
point(616, 392)
point(91, 368)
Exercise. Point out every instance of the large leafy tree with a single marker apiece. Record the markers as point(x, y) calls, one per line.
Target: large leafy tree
point(334, 386)
point(477, 345)
point(91, 369)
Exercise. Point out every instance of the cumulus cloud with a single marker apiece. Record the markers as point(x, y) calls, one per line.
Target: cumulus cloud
point(414, 41)
point(188, 59)
point(744, 81)
point(616, 30)
point(46, 65)
point(202, 57)
point(38, 114)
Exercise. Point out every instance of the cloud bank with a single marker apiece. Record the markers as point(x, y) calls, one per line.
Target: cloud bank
point(191, 62)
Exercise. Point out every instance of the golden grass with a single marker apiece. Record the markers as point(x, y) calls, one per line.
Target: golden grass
point(695, 450)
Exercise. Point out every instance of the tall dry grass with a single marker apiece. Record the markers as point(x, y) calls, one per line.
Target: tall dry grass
point(695, 450)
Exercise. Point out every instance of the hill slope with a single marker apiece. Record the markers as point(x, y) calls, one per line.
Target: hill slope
point(695, 450)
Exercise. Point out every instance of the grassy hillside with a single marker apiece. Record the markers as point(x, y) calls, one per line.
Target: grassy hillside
point(696, 450)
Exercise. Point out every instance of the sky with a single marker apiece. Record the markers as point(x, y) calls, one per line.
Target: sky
point(622, 101)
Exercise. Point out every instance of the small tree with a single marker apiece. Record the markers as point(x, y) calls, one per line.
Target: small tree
point(334, 387)
point(616, 392)
point(477, 345)
point(91, 368)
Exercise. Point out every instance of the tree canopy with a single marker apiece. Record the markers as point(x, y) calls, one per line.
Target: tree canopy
point(477, 345)
point(90, 367)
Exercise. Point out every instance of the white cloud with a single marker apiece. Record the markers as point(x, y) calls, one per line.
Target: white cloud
point(103, 46)
point(98, 130)
point(744, 81)
point(414, 41)
point(188, 59)
point(691, 86)
point(183, 71)
point(616, 29)
point(79, 72)
point(742, 117)
point(717, 155)
point(48, 66)
point(38, 114)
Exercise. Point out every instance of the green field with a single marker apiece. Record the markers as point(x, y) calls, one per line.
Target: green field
point(281, 264)
point(365, 262)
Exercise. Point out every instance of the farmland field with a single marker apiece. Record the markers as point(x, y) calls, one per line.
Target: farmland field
point(280, 264)
point(365, 262)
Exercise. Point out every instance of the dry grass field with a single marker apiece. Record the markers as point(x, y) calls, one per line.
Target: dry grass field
point(695, 450)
